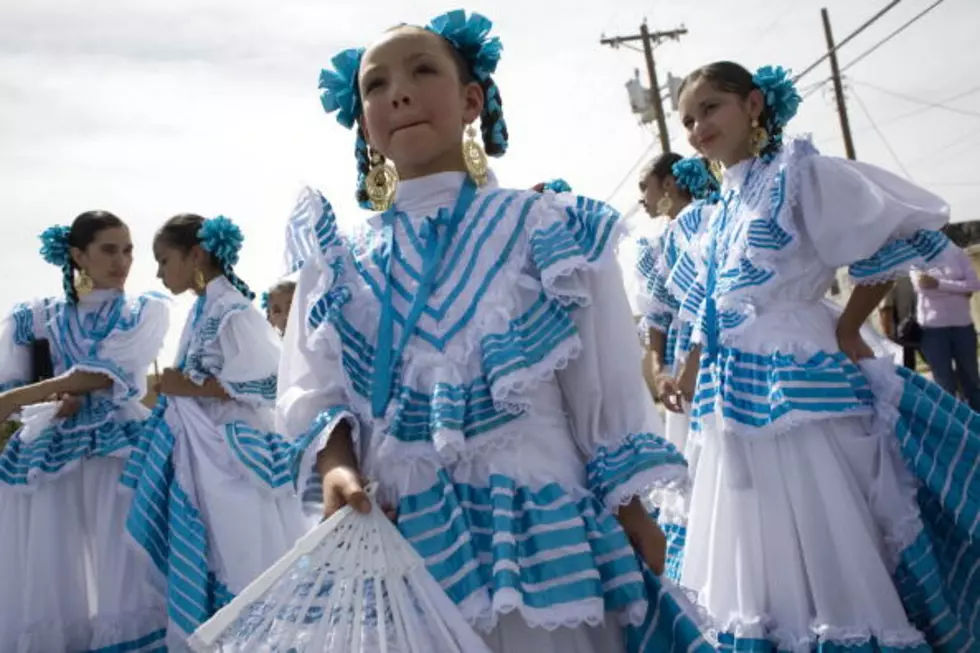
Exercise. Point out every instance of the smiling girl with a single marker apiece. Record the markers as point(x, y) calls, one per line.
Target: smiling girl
point(835, 501)
point(70, 581)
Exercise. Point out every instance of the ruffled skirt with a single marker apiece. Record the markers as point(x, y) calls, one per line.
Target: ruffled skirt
point(814, 539)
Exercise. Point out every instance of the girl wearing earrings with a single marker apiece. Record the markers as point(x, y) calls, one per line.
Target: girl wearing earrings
point(836, 502)
point(215, 495)
point(70, 581)
point(450, 350)
point(683, 191)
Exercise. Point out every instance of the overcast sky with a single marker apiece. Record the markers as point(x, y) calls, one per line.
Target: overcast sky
point(147, 109)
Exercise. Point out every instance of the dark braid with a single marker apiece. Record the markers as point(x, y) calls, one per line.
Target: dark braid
point(236, 281)
point(492, 123)
point(363, 158)
point(68, 282)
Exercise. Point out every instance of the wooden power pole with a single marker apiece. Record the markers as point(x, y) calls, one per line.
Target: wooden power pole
point(650, 39)
point(845, 124)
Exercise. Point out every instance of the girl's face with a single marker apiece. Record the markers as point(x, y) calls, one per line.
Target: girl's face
point(280, 301)
point(175, 267)
point(654, 190)
point(107, 259)
point(719, 124)
point(415, 108)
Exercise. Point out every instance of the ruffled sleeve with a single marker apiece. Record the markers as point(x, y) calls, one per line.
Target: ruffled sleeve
point(16, 336)
point(249, 351)
point(657, 306)
point(127, 352)
point(611, 412)
point(876, 223)
point(313, 398)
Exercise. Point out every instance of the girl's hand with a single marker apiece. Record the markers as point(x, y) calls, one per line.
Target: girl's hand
point(688, 381)
point(853, 345)
point(669, 392)
point(8, 406)
point(644, 534)
point(927, 282)
point(171, 382)
point(343, 486)
point(70, 404)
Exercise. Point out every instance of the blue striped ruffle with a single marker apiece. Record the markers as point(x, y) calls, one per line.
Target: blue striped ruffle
point(615, 473)
point(939, 575)
point(63, 443)
point(24, 330)
point(765, 393)
point(729, 643)
point(154, 642)
point(667, 627)
point(588, 228)
point(271, 460)
point(898, 257)
point(259, 388)
point(166, 524)
point(544, 546)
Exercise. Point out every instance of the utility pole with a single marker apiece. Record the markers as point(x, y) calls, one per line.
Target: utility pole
point(650, 39)
point(845, 124)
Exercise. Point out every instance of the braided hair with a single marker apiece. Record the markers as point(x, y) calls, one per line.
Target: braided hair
point(57, 243)
point(181, 232)
point(730, 77)
point(661, 168)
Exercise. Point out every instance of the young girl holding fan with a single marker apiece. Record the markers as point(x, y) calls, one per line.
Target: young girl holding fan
point(450, 350)
point(215, 495)
point(683, 192)
point(70, 580)
point(835, 503)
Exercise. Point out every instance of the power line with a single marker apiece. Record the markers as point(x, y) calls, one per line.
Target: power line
point(898, 31)
point(881, 135)
point(925, 103)
point(881, 12)
point(632, 170)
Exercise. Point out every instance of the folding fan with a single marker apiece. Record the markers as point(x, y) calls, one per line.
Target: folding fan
point(351, 585)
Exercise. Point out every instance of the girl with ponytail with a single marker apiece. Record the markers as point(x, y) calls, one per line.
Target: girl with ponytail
point(213, 482)
point(74, 369)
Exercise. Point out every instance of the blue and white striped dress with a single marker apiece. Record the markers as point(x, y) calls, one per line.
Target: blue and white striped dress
point(71, 581)
point(834, 505)
point(518, 420)
point(216, 501)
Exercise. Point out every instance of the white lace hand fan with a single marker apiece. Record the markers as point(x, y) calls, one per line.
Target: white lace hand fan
point(351, 585)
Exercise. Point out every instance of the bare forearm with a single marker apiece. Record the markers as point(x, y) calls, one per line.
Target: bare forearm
point(75, 382)
point(863, 301)
point(658, 342)
point(339, 451)
point(210, 389)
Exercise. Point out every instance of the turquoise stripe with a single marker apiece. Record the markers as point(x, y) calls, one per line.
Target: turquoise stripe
point(264, 388)
point(612, 466)
point(898, 255)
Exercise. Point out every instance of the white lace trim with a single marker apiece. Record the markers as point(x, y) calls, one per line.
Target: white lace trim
point(765, 627)
point(651, 485)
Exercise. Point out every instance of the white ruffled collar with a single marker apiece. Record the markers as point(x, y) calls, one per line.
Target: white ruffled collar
point(98, 297)
point(422, 197)
point(217, 287)
point(735, 176)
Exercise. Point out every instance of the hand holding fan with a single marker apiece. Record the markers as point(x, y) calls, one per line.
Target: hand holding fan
point(351, 585)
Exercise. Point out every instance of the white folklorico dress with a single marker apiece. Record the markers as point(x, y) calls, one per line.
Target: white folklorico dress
point(834, 505)
point(216, 500)
point(70, 580)
point(517, 420)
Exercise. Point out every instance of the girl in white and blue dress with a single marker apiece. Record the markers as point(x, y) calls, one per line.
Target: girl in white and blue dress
point(70, 580)
point(449, 350)
point(216, 501)
point(683, 192)
point(835, 503)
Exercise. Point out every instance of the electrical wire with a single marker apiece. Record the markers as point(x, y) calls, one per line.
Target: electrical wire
point(881, 135)
point(916, 100)
point(632, 169)
point(904, 26)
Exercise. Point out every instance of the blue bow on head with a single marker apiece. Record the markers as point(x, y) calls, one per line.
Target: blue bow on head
point(782, 102)
point(557, 186)
point(693, 176)
point(54, 245)
point(471, 37)
point(338, 88)
point(221, 238)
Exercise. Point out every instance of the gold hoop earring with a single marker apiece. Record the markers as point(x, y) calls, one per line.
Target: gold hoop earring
point(758, 138)
point(664, 205)
point(381, 182)
point(475, 158)
point(199, 282)
point(83, 283)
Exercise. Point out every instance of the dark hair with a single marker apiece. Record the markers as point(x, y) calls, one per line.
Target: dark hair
point(493, 127)
point(730, 77)
point(81, 234)
point(661, 168)
point(181, 232)
point(283, 286)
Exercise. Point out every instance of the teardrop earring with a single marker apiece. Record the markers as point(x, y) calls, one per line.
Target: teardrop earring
point(83, 283)
point(758, 138)
point(381, 182)
point(475, 158)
